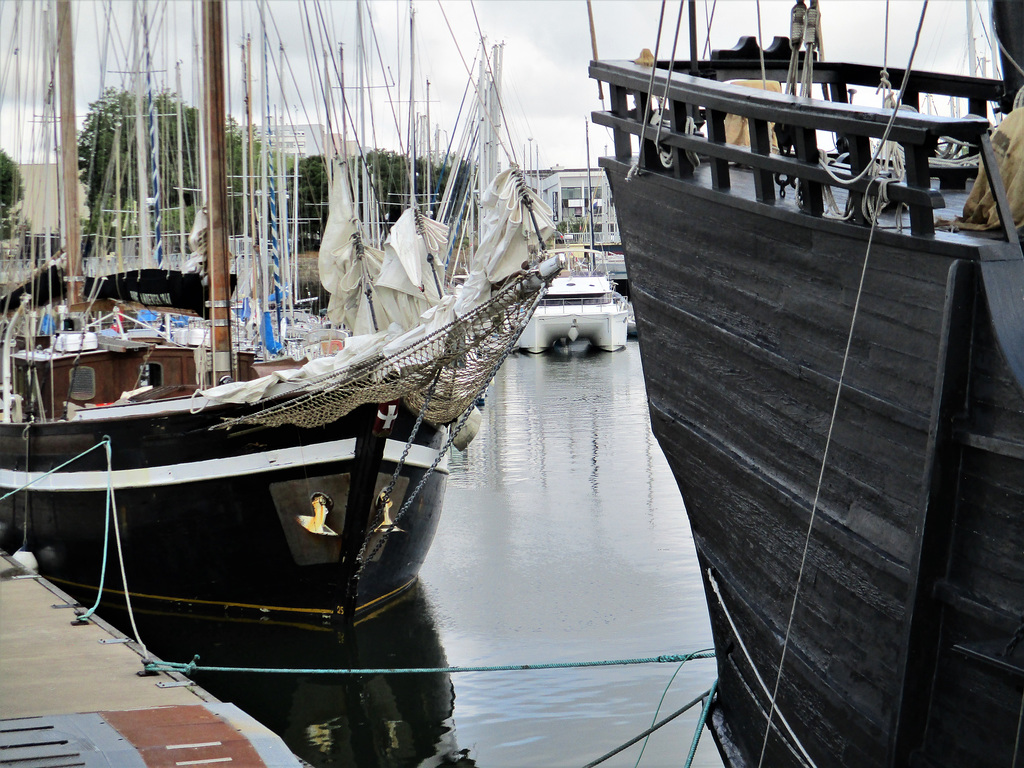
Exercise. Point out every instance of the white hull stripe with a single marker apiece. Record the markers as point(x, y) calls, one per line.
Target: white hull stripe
point(215, 469)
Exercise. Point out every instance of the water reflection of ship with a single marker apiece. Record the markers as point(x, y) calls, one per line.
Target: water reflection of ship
point(336, 720)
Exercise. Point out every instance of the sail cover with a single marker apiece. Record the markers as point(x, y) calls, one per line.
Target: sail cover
point(508, 227)
point(348, 267)
point(404, 280)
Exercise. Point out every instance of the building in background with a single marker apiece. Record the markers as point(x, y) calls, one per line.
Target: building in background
point(584, 213)
point(579, 206)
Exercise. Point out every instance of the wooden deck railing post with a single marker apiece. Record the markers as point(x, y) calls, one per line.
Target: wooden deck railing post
point(807, 151)
point(761, 144)
point(620, 108)
point(716, 135)
point(922, 222)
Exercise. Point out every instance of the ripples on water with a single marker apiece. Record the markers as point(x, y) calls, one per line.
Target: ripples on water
point(563, 539)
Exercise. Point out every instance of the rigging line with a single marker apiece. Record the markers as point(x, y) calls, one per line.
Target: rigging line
point(710, 19)
point(685, 708)
point(635, 167)
point(668, 75)
point(844, 182)
point(387, 83)
point(306, 40)
point(451, 141)
point(885, 39)
point(291, 73)
point(476, 86)
point(497, 92)
point(760, 48)
point(835, 409)
point(1006, 53)
point(657, 710)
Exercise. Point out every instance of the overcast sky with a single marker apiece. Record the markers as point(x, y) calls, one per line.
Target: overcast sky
point(547, 95)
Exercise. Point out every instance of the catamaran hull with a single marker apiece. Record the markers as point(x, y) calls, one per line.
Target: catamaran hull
point(212, 520)
point(893, 621)
point(604, 330)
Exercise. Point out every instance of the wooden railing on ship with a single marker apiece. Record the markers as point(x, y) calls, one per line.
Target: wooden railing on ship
point(708, 101)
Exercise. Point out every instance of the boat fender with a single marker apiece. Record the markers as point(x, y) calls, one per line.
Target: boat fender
point(469, 429)
point(26, 560)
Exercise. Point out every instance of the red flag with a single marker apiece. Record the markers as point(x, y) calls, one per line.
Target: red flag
point(386, 415)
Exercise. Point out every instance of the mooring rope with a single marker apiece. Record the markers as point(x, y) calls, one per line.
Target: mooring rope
point(109, 514)
point(700, 724)
point(706, 696)
point(193, 666)
point(757, 675)
point(101, 443)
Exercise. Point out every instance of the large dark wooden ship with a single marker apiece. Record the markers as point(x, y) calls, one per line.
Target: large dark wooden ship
point(838, 386)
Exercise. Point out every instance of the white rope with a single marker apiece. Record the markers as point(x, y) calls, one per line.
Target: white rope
point(757, 675)
point(120, 552)
point(835, 404)
point(691, 128)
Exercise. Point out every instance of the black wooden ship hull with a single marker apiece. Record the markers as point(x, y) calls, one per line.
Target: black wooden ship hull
point(843, 408)
point(218, 521)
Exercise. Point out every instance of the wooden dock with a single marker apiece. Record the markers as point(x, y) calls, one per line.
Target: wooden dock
point(71, 694)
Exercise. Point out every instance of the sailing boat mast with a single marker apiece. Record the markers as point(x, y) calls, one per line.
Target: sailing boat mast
point(69, 147)
point(214, 86)
point(412, 107)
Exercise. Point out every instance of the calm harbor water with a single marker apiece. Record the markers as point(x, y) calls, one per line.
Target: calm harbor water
point(563, 539)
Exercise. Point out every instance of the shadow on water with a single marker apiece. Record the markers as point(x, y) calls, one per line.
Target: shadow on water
point(392, 720)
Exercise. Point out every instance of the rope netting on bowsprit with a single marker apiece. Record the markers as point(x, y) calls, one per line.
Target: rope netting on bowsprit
point(462, 356)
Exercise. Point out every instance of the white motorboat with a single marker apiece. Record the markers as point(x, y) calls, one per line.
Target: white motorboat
point(578, 306)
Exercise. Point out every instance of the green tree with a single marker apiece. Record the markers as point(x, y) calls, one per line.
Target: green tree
point(389, 179)
point(109, 132)
point(10, 193)
point(314, 193)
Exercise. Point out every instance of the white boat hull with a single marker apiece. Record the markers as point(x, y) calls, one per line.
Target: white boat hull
point(603, 327)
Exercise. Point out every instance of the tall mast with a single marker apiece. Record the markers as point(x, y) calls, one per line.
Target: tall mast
point(214, 87)
point(412, 106)
point(143, 253)
point(182, 231)
point(69, 147)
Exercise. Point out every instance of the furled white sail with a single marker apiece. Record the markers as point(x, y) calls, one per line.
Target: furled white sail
point(403, 281)
point(409, 282)
point(371, 290)
point(508, 228)
point(347, 265)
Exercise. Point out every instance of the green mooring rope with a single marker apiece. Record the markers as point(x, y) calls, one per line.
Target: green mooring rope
point(700, 724)
point(193, 666)
point(108, 513)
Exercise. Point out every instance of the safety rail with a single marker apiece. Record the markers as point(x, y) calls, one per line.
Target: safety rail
point(707, 103)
